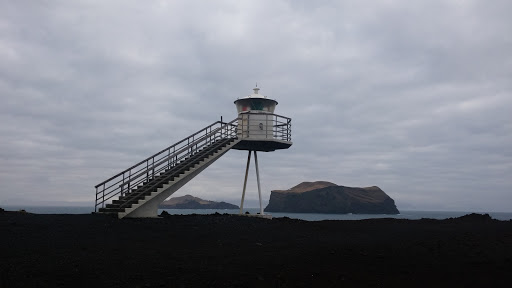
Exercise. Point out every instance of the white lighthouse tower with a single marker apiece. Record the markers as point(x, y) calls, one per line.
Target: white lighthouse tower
point(260, 130)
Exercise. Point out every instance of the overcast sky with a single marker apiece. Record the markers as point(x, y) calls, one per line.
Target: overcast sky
point(412, 96)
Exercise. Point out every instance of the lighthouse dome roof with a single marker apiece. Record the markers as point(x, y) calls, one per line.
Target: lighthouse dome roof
point(256, 95)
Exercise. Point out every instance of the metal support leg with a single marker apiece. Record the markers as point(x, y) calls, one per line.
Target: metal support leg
point(245, 181)
point(258, 179)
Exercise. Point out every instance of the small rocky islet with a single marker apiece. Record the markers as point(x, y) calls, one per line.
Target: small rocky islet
point(191, 202)
point(327, 197)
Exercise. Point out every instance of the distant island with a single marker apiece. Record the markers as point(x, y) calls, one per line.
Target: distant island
point(327, 197)
point(191, 202)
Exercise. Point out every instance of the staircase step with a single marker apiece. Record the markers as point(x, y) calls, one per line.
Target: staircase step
point(112, 205)
point(111, 210)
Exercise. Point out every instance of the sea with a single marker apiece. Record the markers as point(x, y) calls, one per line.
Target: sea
point(412, 215)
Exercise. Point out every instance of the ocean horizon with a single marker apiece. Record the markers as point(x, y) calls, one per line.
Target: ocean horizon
point(404, 214)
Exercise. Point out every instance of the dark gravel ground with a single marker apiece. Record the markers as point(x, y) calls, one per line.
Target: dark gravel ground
point(236, 251)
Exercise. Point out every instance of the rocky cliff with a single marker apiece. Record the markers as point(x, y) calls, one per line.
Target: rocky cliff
point(191, 202)
point(326, 197)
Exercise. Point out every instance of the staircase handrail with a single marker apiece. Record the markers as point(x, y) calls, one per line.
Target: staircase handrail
point(166, 149)
point(130, 177)
point(197, 141)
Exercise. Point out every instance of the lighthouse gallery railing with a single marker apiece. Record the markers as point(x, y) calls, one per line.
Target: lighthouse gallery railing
point(264, 126)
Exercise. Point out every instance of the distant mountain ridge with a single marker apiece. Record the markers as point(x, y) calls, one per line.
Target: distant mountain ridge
point(191, 202)
point(327, 197)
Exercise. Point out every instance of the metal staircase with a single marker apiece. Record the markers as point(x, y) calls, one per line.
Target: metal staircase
point(137, 191)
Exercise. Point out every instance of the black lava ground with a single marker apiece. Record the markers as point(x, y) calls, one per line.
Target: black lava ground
point(237, 251)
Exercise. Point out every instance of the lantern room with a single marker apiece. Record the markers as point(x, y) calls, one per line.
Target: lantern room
point(256, 102)
point(258, 127)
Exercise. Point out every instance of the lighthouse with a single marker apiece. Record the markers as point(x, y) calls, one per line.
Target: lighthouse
point(260, 129)
point(138, 191)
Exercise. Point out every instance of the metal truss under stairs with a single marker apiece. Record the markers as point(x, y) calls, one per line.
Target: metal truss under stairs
point(141, 188)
